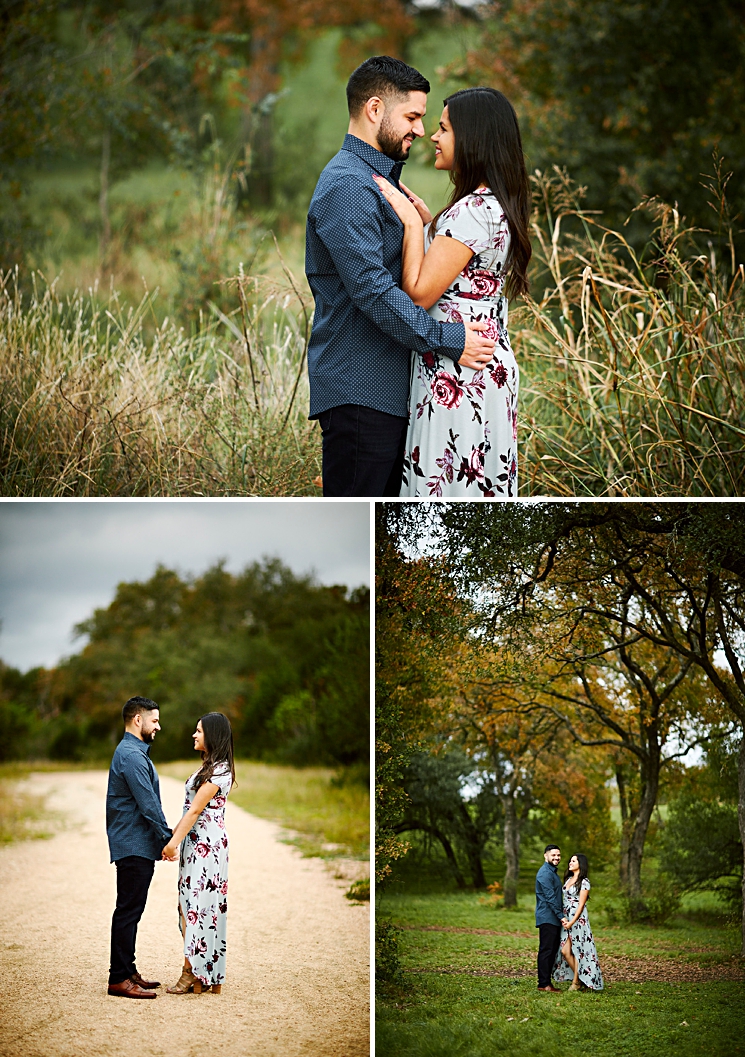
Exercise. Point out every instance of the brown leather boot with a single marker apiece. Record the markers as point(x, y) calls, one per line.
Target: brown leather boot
point(129, 989)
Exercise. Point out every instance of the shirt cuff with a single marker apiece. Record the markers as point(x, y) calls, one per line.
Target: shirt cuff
point(453, 340)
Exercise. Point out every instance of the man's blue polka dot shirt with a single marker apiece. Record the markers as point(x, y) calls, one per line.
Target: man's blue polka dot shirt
point(365, 326)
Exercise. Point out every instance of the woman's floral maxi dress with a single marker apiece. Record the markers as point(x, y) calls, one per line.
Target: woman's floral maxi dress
point(203, 883)
point(583, 945)
point(462, 436)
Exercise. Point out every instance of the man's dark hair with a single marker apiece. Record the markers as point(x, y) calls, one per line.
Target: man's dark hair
point(136, 705)
point(382, 76)
point(550, 847)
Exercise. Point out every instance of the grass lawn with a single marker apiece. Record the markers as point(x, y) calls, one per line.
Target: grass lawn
point(325, 818)
point(469, 988)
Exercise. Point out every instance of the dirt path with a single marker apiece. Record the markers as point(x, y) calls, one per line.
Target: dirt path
point(298, 953)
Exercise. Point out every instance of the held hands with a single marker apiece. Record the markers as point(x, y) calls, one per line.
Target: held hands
point(565, 923)
point(170, 852)
point(405, 208)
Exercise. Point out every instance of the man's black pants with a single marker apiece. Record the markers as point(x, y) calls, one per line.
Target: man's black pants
point(363, 451)
point(550, 936)
point(133, 877)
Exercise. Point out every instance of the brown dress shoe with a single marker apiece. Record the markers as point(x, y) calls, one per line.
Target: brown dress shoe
point(554, 990)
point(129, 989)
point(149, 985)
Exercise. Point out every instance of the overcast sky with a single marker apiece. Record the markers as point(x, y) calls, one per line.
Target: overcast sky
point(61, 560)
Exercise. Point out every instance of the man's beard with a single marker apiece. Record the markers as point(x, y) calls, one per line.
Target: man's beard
point(390, 143)
point(148, 736)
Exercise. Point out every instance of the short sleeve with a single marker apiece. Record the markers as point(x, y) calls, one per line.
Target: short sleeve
point(585, 884)
point(474, 220)
point(221, 777)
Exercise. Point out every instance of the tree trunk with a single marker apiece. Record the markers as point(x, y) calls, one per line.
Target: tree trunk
point(623, 798)
point(511, 850)
point(103, 197)
point(650, 784)
point(473, 848)
point(447, 847)
point(741, 819)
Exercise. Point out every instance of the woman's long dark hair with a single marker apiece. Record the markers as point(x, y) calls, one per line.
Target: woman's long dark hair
point(489, 151)
point(583, 870)
point(218, 741)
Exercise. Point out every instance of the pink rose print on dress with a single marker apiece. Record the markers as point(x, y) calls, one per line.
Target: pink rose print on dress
point(483, 283)
point(446, 390)
point(428, 359)
point(203, 849)
point(477, 463)
point(224, 888)
point(451, 312)
point(192, 917)
point(218, 801)
point(498, 372)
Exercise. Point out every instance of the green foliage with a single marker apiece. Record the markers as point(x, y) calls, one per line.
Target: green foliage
point(359, 891)
point(454, 803)
point(700, 845)
point(387, 958)
point(18, 720)
point(630, 97)
point(326, 814)
point(262, 647)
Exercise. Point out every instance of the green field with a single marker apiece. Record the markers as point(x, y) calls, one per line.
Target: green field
point(468, 985)
point(325, 815)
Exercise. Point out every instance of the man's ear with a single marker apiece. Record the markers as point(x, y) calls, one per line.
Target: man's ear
point(374, 109)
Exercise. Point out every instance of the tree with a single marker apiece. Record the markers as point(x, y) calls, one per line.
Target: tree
point(669, 574)
point(266, 647)
point(613, 92)
point(441, 803)
point(277, 31)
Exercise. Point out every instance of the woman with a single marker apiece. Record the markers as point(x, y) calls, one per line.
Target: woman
point(203, 866)
point(577, 959)
point(462, 436)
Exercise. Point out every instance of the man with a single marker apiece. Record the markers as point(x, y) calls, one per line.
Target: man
point(137, 832)
point(549, 909)
point(365, 326)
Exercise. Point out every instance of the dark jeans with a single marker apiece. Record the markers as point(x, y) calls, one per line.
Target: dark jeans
point(550, 935)
point(133, 877)
point(363, 451)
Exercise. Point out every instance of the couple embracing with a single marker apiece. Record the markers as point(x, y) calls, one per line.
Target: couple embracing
point(139, 836)
point(412, 376)
point(566, 946)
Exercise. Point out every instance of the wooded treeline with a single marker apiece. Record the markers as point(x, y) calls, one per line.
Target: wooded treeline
point(631, 98)
point(285, 658)
point(529, 659)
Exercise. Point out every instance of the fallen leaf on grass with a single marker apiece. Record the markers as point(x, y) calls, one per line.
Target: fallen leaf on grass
point(637, 992)
point(683, 1024)
point(524, 1019)
point(509, 1018)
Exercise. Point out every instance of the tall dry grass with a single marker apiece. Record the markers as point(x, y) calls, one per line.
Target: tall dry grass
point(101, 400)
point(633, 369)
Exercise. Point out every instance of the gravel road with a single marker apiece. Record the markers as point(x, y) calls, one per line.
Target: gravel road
point(297, 980)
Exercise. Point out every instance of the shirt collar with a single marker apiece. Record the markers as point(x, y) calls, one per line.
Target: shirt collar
point(139, 744)
point(375, 159)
